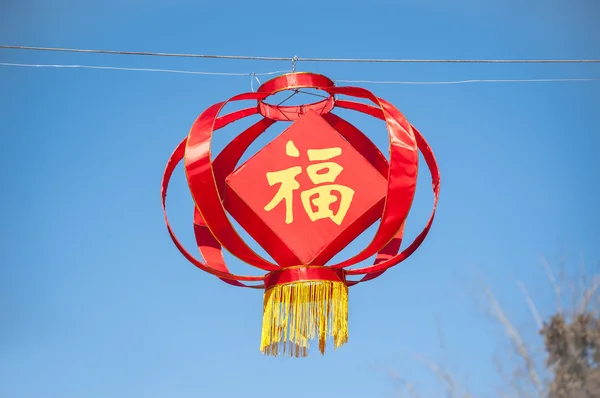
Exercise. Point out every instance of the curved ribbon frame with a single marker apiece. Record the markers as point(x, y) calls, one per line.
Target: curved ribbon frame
point(216, 267)
point(206, 179)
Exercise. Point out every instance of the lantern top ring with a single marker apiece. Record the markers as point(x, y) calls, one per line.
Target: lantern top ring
point(295, 81)
point(288, 113)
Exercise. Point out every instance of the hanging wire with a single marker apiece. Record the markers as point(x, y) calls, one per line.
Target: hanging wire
point(295, 58)
point(143, 53)
point(254, 75)
point(472, 81)
point(189, 72)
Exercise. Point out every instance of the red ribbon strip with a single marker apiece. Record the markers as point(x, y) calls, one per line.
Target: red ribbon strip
point(304, 274)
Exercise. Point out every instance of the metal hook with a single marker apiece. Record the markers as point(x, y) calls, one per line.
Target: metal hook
point(294, 60)
point(253, 77)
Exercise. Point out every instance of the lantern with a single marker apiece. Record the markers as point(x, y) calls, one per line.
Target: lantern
point(303, 198)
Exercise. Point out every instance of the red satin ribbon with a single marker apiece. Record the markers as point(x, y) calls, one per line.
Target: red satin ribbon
point(206, 178)
point(435, 183)
point(291, 113)
point(216, 268)
point(304, 274)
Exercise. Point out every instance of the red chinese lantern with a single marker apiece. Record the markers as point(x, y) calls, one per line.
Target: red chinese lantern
point(303, 197)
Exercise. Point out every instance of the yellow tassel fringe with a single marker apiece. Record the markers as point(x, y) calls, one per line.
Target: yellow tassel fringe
point(298, 312)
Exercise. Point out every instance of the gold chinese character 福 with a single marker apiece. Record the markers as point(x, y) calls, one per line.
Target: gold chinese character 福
point(321, 196)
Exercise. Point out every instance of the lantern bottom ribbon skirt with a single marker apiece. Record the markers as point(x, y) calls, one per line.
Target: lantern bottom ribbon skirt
point(303, 197)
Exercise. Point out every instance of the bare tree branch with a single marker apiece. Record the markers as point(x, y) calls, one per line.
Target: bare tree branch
point(583, 282)
point(501, 373)
point(589, 294)
point(410, 388)
point(443, 375)
point(516, 339)
point(557, 288)
point(532, 307)
point(568, 369)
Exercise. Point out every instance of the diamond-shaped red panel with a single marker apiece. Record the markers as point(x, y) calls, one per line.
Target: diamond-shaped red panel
point(307, 194)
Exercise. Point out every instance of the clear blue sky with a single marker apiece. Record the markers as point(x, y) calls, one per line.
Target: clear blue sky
point(95, 301)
